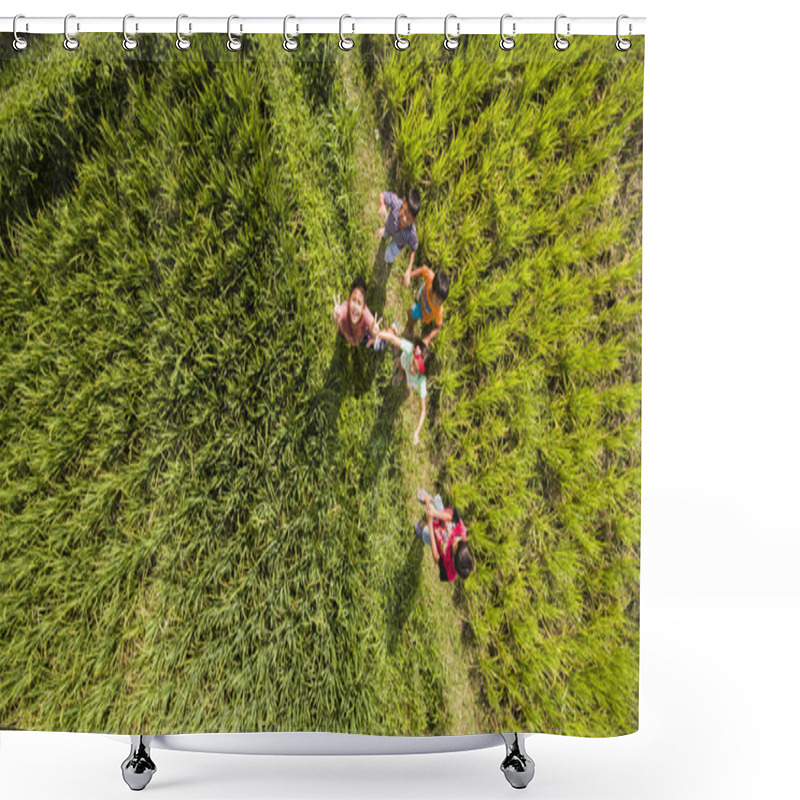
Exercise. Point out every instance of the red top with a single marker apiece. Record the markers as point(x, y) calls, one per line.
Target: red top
point(447, 534)
point(353, 337)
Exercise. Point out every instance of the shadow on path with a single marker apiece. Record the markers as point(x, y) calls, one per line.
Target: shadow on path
point(405, 588)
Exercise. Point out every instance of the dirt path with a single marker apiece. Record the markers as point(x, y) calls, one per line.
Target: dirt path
point(418, 464)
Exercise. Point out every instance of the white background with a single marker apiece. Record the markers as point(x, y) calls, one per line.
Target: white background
point(720, 609)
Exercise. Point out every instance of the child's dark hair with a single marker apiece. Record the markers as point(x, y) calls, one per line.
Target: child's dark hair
point(412, 198)
point(441, 284)
point(463, 560)
point(358, 283)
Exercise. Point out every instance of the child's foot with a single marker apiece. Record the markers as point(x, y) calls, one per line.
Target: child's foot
point(423, 496)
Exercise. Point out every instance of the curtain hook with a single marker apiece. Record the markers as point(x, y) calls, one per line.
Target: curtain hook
point(400, 42)
point(345, 42)
point(70, 42)
point(623, 44)
point(290, 44)
point(127, 42)
point(451, 42)
point(19, 44)
point(234, 43)
point(507, 42)
point(182, 43)
point(560, 43)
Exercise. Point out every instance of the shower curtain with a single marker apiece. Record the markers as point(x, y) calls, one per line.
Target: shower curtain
point(320, 386)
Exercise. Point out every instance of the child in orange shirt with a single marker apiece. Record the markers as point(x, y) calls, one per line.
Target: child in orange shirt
point(430, 299)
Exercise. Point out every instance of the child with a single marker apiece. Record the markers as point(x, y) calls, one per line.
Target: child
point(412, 362)
point(430, 299)
point(352, 317)
point(448, 544)
point(399, 227)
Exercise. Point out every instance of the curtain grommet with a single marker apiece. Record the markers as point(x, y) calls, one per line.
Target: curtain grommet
point(19, 44)
point(290, 44)
point(451, 42)
point(507, 42)
point(182, 42)
point(623, 45)
point(400, 42)
point(234, 43)
point(70, 42)
point(560, 43)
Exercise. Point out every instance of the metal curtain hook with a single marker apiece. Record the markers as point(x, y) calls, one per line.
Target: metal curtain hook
point(234, 43)
point(345, 42)
point(560, 43)
point(451, 42)
point(506, 42)
point(70, 42)
point(127, 42)
point(623, 44)
point(400, 42)
point(19, 44)
point(290, 44)
point(182, 43)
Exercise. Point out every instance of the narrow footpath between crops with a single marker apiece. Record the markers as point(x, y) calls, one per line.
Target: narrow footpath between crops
point(463, 710)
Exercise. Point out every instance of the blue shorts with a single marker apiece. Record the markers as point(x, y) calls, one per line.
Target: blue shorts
point(416, 309)
point(392, 251)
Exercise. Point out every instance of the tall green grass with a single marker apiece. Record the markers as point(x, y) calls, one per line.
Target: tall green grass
point(530, 171)
point(203, 521)
point(200, 521)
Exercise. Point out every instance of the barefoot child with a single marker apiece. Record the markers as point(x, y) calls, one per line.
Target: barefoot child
point(430, 299)
point(446, 535)
point(353, 319)
point(399, 227)
point(412, 362)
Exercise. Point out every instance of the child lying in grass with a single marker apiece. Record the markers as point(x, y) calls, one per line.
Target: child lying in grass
point(430, 299)
point(412, 362)
point(352, 317)
point(448, 544)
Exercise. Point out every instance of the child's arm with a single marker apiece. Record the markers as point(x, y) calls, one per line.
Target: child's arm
point(374, 330)
point(337, 301)
point(390, 336)
point(445, 516)
point(430, 337)
point(434, 545)
point(382, 207)
point(409, 274)
point(411, 259)
point(419, 424)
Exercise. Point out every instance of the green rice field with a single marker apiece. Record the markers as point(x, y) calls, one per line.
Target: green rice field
point(207, 497)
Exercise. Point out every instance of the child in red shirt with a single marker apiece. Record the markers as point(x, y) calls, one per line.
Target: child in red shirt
point(448, 543)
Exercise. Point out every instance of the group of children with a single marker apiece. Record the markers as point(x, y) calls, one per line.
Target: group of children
point(443, 529)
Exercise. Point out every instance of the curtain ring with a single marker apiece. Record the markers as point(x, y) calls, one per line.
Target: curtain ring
point(400, 42)
point(290, 44)
point(507, 42)
point(623, 44)
point(182, 43)
point(451, 42)
point(19, 44)
point(345, 42)
point(70, 42)
point(560, 43)
point(127, 42)
point(234, 43)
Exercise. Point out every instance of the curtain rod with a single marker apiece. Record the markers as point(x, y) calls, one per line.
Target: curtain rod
point(406, 25)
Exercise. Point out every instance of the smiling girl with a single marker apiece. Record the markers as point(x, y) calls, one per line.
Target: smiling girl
point(352, 317)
